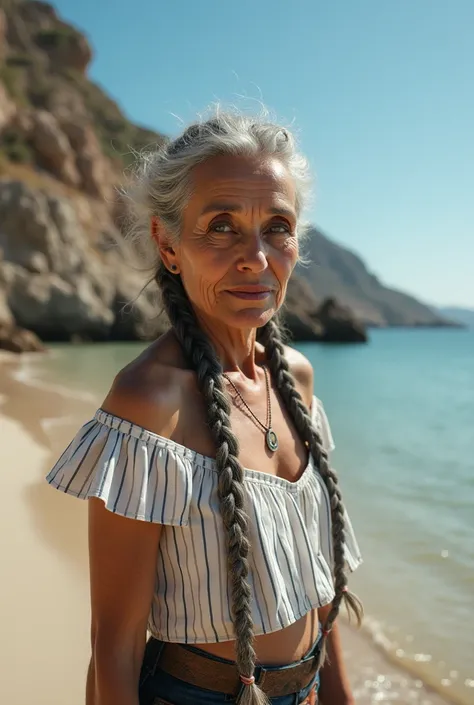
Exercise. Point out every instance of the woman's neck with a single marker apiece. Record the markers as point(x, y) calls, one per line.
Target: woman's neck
point(236, 348)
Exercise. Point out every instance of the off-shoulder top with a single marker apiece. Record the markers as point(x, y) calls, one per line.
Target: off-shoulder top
point(146, 477)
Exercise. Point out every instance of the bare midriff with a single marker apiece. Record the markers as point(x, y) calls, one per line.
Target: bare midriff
point(278, 648)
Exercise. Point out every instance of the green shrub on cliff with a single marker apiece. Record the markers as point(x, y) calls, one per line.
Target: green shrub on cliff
point(15, 148)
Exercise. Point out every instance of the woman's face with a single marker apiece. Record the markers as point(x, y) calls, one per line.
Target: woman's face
point(238, 245)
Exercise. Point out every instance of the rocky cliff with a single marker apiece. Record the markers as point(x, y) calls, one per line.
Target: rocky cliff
point(463, 316)
point(337, 272)
point(64, 272)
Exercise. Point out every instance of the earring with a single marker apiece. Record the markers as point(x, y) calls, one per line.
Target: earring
point(174, 268)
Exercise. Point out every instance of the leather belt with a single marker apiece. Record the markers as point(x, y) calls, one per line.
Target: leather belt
point(204, 672)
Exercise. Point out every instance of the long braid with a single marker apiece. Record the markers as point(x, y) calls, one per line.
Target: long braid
point(202, 358)
point(270, 336)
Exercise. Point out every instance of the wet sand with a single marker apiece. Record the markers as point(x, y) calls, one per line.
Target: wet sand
point(44, 593)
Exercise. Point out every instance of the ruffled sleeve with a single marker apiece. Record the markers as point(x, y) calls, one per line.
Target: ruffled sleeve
point(351, 547)
point(320, 420)
point(136, 473)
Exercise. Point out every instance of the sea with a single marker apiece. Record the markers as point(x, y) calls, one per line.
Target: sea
point(401, 410)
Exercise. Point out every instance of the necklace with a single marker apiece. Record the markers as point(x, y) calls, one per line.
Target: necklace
point(271, 439)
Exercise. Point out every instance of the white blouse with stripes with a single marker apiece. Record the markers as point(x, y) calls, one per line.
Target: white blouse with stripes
point(141, 475)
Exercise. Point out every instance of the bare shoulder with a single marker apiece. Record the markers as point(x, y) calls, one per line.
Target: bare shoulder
point(149, 390)
point(302, 371)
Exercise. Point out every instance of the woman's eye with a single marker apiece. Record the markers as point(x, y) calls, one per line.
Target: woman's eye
point(279, 229)
point(225, 228)
point(221, 228)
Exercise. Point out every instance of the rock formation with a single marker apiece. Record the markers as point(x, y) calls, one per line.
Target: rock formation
point(328, 321)
point(336, 272)
point(52, 147)
point(19, 340)
point(56, 282)
point(64, 273)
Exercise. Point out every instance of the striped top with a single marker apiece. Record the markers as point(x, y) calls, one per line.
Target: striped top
point(141, 475)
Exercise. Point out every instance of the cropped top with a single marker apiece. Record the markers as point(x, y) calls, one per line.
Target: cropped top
point(141, 475)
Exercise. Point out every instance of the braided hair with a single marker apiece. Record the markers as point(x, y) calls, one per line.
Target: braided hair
point(202, 358)
point(271, 337)
point(163, 190)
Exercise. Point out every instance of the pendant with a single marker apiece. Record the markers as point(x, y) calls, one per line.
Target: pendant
point(272, 440)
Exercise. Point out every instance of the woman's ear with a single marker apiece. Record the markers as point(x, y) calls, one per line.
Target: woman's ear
point(167, 253)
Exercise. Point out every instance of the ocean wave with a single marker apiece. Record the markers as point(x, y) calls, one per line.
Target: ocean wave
point(435, 675)
point(29, 372)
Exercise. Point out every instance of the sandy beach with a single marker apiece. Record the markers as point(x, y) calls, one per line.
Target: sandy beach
point(44, 592)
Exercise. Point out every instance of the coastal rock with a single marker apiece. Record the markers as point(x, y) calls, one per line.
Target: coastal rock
point(37, 263)
point(55, 282)
point(6, 316)
point(31, 222)
point(53, 148)
point(7, 108)
point(339, 323)
point(138, 314)
point(65, 272)
point(42, 232)
point(65, 46)
point(300, 306)
point(41, 14)
point(59, 285)
point(3, 35)
point(70, 49)
point(96, 174)
point(336, 272)
point(22, 122)
point(55, 309)
point(19, 340)
point(307, 320)
point(303, 328)
point(67, 105)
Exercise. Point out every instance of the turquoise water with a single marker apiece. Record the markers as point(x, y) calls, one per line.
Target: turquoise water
point(402, 415)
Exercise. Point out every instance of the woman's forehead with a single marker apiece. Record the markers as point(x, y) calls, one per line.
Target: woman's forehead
point(226, 178)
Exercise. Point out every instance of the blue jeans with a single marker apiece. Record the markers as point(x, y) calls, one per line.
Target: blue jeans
point(159, 688)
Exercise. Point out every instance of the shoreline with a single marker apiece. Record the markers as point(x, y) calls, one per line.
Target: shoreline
point(40, 418)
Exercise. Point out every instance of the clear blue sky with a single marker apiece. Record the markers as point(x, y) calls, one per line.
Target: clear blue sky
point(381, 92)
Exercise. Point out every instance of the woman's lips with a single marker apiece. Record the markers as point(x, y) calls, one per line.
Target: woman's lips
point(250, 294)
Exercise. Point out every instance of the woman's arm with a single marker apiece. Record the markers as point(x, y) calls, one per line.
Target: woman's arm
point(123, 555)
point(334, 687)
point(123, 552)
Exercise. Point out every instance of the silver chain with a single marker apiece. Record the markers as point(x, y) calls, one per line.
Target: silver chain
point(269, 404)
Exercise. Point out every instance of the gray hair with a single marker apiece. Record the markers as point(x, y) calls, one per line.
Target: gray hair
point(162, 184)
point(163, 190)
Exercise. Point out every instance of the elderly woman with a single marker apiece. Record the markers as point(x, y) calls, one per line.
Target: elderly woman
point(215, 520)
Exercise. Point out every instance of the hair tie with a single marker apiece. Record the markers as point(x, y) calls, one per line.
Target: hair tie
point(345, 588)
point(247, 680)
point(326, 632)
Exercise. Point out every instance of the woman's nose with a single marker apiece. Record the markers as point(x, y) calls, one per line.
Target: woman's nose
point(253, 257)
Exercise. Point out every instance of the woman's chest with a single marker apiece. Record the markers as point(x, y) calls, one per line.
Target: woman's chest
point(288, 461)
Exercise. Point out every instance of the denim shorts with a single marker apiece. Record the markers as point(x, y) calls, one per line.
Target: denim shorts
point(159, 688)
